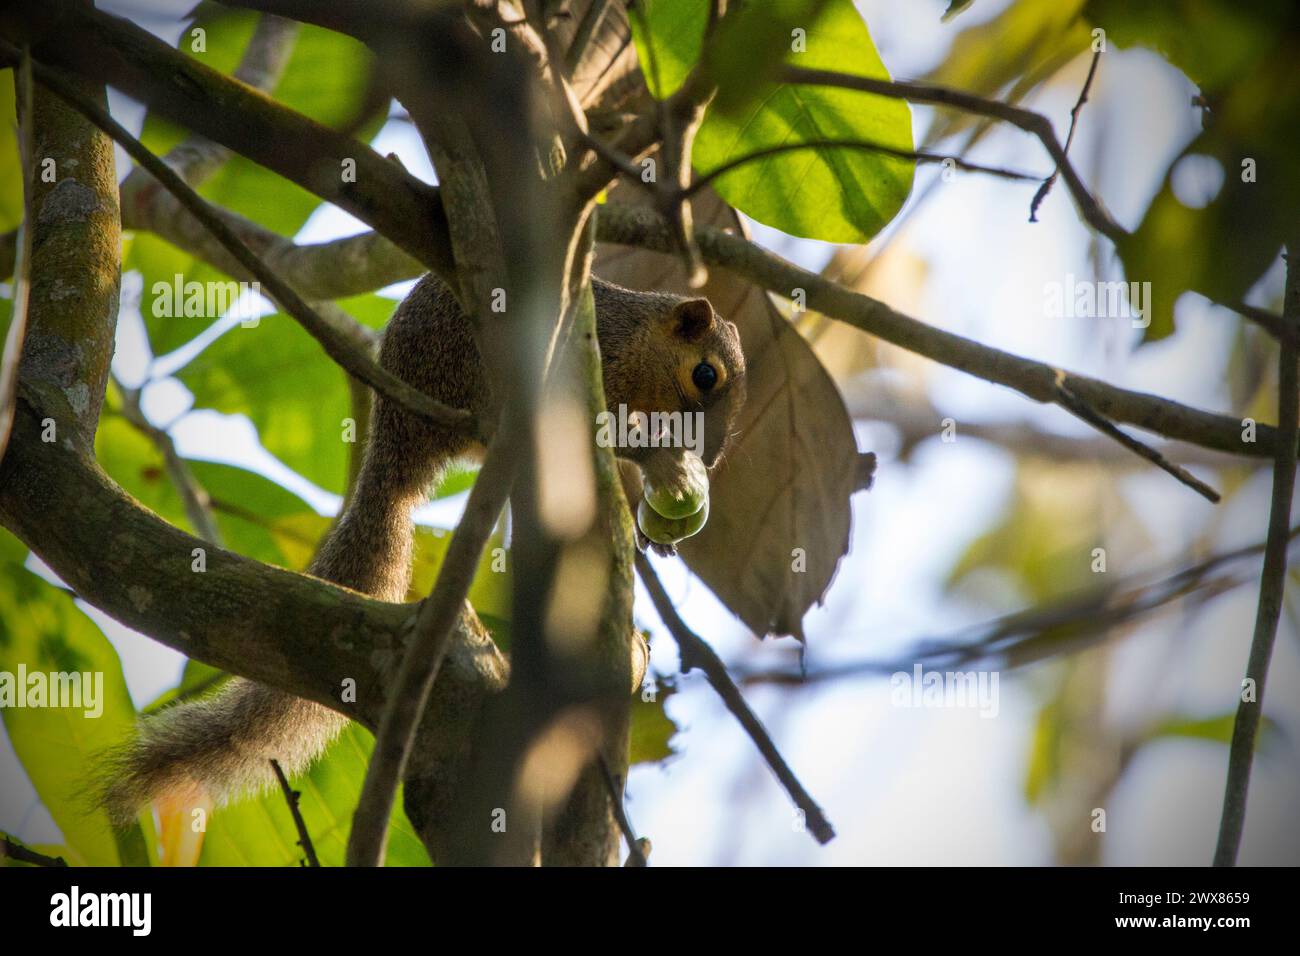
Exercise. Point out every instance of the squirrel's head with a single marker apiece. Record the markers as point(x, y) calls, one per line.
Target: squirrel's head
point(690, 362)
point(710, 371)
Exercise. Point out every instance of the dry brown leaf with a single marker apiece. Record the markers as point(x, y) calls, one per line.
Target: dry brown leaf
point(786, 482)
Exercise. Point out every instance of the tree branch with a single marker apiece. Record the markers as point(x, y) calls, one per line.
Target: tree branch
point(178, 88)
point(695, 652)
point(196, 158)
point(336, 344)
point(1086, 413)
point(316, 267)
point(74, 272)
point(434, 630)
point(1270, 322)
point(194, 497)
point(1035, 380)
point(916, 419)
point(636, 855)
point(865, 145)
point(587, 28)
point(321, 272)
point(13, 850)
point(1037, 633)
point(236, 614)
point(291, 797)
point(1272, 583)
point(1044, 189)
point(1034, 123)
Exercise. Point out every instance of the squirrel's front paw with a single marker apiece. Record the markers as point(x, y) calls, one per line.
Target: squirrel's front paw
point(642, 542)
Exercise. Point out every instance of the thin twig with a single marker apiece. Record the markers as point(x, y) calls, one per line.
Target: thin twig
point(1085, 412)
point(695, 652)
point(194, 497)
point(636, 856)
point(334, 341)
point(13, 850)
point(1044, 189)
point(1035, 633)
point(435, 624)
point(1270, 322)
point(612, 156)
point(13, 346)
point(1034, 123)
point(916, 419)
point(291, 797)
point(265, 57)
point(860, 144)
point(1272, 583)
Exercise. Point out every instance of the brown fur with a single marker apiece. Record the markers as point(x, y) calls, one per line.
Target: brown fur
point(221, 747)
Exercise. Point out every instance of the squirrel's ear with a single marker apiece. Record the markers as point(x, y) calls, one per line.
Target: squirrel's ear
point(692, 319)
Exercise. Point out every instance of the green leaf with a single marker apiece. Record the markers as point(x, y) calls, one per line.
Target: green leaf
point(1015, 52)
point(1212, 41)
point(1045, 751)
point(326, 79)
point(1219, 251)
point(133, 847)
point(832, 194)
point(652, 729)
point(12, 551)
point(159, 262)
point(281, 378)
point(669, 36)
point(261, 832)
point(256, 517)
point(43, 631)
point(490, 592)
point(11, 180)
point(1243, 59)
point(1217, 728)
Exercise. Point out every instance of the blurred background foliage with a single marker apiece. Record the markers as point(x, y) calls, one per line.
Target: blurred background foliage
point(1039, 495)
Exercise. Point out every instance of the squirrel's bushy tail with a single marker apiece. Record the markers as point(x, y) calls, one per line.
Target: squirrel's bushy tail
point(217, 748)
point(221, 747)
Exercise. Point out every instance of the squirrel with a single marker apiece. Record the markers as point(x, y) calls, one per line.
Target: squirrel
point(659, 353)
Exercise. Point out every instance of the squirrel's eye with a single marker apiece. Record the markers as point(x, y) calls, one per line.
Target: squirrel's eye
point(705, 376)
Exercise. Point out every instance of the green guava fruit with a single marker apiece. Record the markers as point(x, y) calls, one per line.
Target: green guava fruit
point(677, 486)
point(663, 530)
